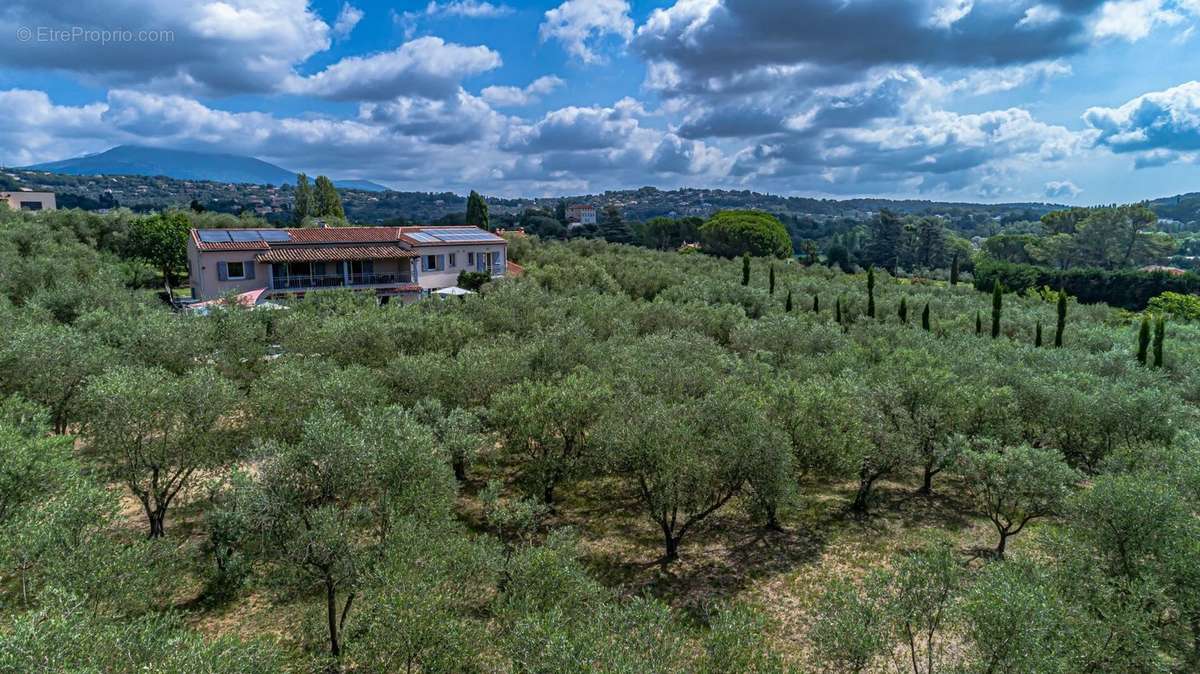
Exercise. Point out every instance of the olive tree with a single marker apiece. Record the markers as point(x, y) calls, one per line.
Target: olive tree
point(550, 426)
point(682, 459)
point(1015, 485)
point(153, 430)
point(458, 431)
point(323, 506)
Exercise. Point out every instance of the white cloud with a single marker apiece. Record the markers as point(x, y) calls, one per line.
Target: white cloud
point(1132, 20)
point(472, 9)
point(946, 13)
point(1158, 127)
point(515, 97)
point(428, 67)
point(1039, 16)
point(580, 24)
point(216, 47)
point(347, 19)
point(1062, 189)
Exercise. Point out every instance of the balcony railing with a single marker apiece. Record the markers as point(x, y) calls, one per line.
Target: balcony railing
point(299, 282)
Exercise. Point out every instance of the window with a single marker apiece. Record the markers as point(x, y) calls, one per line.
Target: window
point(452, 261)
point(236, 270)
point(31, 205)
point(470, 259)
point(430, 263)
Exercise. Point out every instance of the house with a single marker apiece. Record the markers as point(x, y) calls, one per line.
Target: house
point(584, 214)
point(403, 262)
point(25, 200)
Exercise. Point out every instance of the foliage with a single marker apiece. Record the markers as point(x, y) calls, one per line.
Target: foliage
point(1015, 485)
point(732, 233)
point(161, 240)
point(477, 211)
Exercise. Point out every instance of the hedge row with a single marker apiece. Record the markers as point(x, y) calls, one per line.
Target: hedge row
point(1127, 289)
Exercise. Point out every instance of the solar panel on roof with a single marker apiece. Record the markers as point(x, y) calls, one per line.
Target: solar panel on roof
point(214, 236)
point(274, 235)
point(245, 235)
point(423, 237)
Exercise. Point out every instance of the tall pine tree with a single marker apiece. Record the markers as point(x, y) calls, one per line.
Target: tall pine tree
point(1037, 338)
point(954, 270)
point(887, 235)
point(903, 312)
point(771, 280)
point(787, 306)
point(613, 227)
point(745, 269)
point(925, 318)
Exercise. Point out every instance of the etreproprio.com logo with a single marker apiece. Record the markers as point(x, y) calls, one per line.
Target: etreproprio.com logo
point(99, 36)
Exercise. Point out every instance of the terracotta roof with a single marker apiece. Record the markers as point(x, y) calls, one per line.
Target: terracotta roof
point(514, 270)
point(345, 235)
point(334, 253)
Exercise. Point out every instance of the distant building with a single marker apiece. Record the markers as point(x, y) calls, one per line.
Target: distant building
point(584, 214)
point(1160, 269)
point(401, 262)
point(29, 201)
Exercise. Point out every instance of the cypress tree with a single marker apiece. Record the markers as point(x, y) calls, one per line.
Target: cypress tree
point(1037, 338)
point(816, 304)
point(978, 322)
point(1062, 318)
point(997, 305)
point(871, 291)
point(1160, 335)
point(903, 311)
point(787, 306)
point(925, 318)
point(745, 269)
point(771, 279)
point(838, 316)
point(954, 270)
point(1143, 340)
point(477, 211)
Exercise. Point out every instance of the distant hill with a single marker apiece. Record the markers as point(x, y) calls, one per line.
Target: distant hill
point(135, 160)
point(364, 185)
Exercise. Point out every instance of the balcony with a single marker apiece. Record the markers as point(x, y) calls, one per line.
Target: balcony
point(317, 282)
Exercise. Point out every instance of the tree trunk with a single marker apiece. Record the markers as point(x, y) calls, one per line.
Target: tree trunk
point(331, 614)
point(1001, 545)
point(157, 519)
point(773, 520)
point(860, 504)
point(927, 482)
point(670, 545)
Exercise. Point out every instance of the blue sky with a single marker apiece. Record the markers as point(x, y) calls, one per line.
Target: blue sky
point(1076, 101)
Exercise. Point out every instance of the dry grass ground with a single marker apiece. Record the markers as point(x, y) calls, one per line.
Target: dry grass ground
point(727, 558)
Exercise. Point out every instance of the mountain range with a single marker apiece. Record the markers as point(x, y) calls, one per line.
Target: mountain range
point(137, 160)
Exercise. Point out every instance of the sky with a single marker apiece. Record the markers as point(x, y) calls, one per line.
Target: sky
point(1069, 101)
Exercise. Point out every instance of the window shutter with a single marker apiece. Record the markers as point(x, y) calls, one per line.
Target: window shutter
point(222, 271)
point(248, 265)
point(441, 262)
